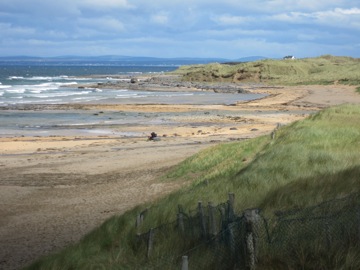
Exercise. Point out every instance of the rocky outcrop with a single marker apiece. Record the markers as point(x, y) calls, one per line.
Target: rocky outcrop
point(168, 83)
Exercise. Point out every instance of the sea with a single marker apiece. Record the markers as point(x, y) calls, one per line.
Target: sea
point(31, 83)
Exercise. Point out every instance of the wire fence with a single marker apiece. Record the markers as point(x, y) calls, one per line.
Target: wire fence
point(325, 236)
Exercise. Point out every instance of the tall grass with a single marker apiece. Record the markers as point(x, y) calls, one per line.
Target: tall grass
point(310, 161)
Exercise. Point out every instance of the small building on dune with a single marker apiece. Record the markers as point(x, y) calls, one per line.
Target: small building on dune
point(289, 57)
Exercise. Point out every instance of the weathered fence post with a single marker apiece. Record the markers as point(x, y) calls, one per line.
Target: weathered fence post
point(230, 228)
point(180, 222)
point(231, 202)
point(140, 218)
point(223, 213)
point(273, 134)
point(138, 221)
point(212, 220)
point(185, 263)
point(251, 219)
point(250, 252)
point(202, 219)
point(150, 242)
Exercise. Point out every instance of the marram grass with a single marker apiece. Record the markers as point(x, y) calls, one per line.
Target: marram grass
point(308, 162)
point(323, 70)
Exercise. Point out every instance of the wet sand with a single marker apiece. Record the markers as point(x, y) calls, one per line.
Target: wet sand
point(54, 190)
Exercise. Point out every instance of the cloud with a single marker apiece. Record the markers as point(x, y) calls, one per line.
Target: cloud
point(344, 17)
point(227, 19)
point(339, 17)
point(103, 4)
point(179, 27)
point(7, 29)
point(107, 24)
point(160, 18)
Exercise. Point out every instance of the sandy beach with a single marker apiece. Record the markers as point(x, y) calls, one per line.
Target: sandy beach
point(55, 189)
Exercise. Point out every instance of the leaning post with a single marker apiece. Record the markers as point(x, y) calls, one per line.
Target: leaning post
point(180, 222)
point(185, 263)
point(150, 242)
point(212, 221)
point(252, 218)
point(202, 219)
point(231, 203)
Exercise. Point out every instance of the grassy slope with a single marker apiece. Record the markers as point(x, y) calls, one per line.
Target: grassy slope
point(308, 162)
point(321, 70)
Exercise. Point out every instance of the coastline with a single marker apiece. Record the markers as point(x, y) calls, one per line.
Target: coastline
point(55, 189)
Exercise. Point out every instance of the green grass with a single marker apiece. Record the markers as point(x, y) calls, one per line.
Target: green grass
point(308, 162)
point(322, 70)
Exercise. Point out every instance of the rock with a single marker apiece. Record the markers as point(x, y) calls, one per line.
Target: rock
point(233, 128)
point(133, 80)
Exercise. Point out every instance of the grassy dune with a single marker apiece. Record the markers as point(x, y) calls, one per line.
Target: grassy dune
point(308, 162)
point(326, 69)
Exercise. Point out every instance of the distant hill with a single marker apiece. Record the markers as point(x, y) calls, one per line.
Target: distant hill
point(118, 60)
point(251, 58)
point(108, 59)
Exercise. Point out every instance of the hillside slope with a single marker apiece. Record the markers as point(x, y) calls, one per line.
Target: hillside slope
point(306, 163)
point(321, 70)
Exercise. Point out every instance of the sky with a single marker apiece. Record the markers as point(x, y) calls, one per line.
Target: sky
point(228, 29)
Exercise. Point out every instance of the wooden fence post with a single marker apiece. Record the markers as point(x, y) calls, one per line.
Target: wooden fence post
point(185, 263)
point(138, 221)
point(250, 252)
point(180, 222)
point(150, 242)
point(273, 134)
point(230, 228)
point(231, 203)
point(212, 220)
point(202, 219)
point(251, 219)
point(140, 218)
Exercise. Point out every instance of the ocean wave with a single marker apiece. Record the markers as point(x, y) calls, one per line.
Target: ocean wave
point(95, 90)
point(15, 91)
point(60, 94)
point(15, 78)
point(38, 87)
point(43, 78)
point(69, 83)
